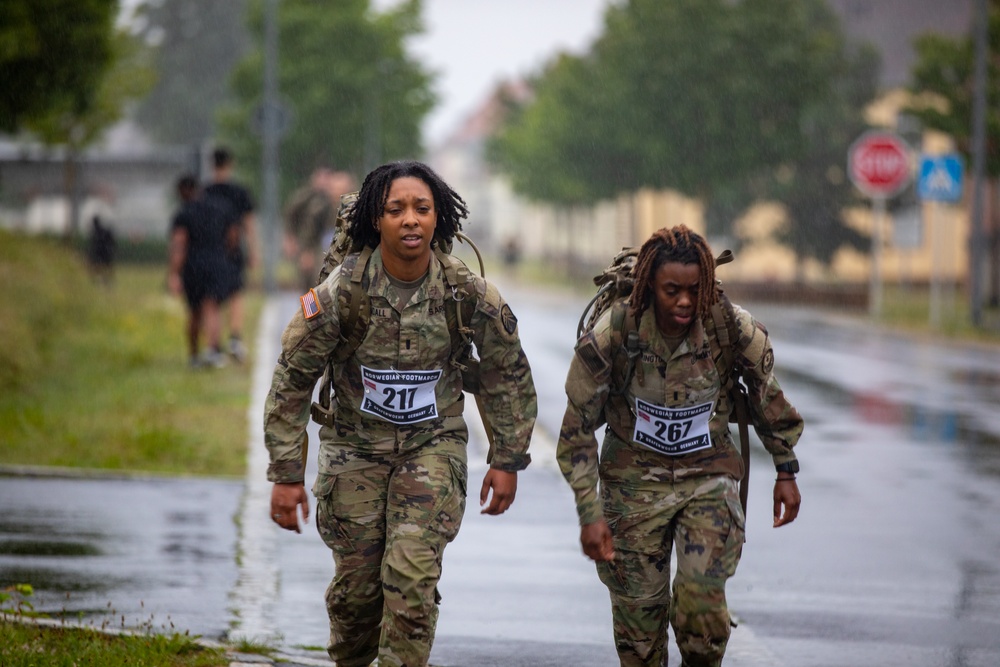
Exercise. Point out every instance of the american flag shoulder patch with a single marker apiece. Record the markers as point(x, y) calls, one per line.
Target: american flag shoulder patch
point(310, 304)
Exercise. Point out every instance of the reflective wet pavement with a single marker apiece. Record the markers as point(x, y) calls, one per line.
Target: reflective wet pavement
point(893, 560)
point(136, 552)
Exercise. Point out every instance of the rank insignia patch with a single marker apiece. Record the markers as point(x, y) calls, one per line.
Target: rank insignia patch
point(310, 304)
point(508, 319)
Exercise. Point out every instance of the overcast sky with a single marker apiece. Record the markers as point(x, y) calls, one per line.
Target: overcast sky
point(475, 44)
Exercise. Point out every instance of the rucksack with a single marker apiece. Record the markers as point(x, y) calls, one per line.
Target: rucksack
point(615, 284)
point(355, 311)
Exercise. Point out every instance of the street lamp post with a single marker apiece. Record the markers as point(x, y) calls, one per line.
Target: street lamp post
point(270, 130)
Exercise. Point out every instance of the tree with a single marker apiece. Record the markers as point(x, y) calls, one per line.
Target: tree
point(355, 96)
point(53, 53)
point(942, 83)
point(197, 43)
point(74, 126)
point(548, 153)
point(708, 97)
point(686, 94)
point(814, 188)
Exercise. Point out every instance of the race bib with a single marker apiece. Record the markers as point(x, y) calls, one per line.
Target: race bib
point(672, 431)
point(400, 397)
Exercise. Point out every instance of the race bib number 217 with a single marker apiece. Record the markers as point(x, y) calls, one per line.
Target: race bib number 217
point(400, 397)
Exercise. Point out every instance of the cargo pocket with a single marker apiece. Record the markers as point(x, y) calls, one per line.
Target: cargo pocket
point(449, 512)
point(611, 573)
point(733, 549)
point(330, 527)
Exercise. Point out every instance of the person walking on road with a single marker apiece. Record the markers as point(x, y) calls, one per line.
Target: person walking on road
point(197, 267)
point(241, 252)
point(310, 221)
point(668, 470)
point(392, 479)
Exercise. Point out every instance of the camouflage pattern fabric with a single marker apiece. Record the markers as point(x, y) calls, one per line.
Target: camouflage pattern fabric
point(408, 506)
point(702, 519)
point(310, 217)
point(362, 450)
point(656, 491)
point(681, 378)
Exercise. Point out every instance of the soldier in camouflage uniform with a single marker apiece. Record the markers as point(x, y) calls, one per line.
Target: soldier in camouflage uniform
point(668, 467)
point(392, 469)
point(310, 219)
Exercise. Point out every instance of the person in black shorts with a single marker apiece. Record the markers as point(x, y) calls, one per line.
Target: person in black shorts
point(242, 250)
point(198, 268)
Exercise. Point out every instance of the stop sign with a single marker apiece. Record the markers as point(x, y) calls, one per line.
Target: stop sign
point(879, 164)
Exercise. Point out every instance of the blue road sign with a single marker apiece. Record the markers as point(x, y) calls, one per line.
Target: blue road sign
point(940, 178)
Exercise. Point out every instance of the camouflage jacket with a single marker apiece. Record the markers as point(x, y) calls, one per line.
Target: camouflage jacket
point(309, 216)
point(414, 337)
point(685, 378)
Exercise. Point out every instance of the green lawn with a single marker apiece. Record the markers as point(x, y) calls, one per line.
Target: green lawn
point(97, 377)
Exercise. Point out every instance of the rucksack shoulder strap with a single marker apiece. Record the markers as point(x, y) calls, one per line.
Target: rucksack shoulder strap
point(354, 304)
point(625, 346)
point(727, 333)
point(723, 321)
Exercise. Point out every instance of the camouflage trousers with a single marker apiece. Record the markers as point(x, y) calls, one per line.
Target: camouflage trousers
point(701, 518)
point(387, 518)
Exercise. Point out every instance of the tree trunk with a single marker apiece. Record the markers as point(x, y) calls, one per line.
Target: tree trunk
point(71, 191)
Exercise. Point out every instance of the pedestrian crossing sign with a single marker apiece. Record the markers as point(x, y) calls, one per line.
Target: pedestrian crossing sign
point(940, 178)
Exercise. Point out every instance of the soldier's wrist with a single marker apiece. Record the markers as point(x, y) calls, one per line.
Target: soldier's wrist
point(791, 467)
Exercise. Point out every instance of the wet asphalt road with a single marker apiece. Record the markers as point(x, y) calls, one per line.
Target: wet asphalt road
point(893, 561)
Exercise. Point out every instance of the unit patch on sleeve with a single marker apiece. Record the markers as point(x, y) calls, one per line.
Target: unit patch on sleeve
point(310, 304)
point(767, 363)
point(508, 319)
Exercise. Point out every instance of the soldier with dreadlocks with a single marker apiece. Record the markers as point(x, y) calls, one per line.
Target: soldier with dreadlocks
point(668, 468)
point(393, 468)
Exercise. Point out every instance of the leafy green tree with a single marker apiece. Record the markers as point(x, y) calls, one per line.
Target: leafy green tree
point(713, 98)
point(72, 126)
point(53, 53)
point(814, 187)
point(942, 81)
point(549, 155)
point(686, 94)
point(197, 43)
point(356, 98)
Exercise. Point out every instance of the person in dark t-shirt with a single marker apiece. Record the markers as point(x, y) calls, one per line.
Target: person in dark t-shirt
point(200, 233)
point(241, 252)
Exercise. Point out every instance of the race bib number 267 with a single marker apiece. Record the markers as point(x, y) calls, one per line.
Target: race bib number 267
point(672, 431)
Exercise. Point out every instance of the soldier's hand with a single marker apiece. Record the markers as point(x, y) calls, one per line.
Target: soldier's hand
point(285, 502)
point(786, 494)
point(596, 540)
point(504, 485)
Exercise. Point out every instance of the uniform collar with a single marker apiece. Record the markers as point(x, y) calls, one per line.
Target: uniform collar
point(379, 285)
point(650, 334)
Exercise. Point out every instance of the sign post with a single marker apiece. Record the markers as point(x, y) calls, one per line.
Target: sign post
point(940, 181)
point(878, 163)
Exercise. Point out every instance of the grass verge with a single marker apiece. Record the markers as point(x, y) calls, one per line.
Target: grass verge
point(97, 377)
point(26, 645)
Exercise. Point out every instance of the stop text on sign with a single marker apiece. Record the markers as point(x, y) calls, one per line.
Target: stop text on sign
point(879, 164)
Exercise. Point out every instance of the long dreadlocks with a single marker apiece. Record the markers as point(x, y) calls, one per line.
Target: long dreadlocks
point(676, 244)
point(370, 206)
